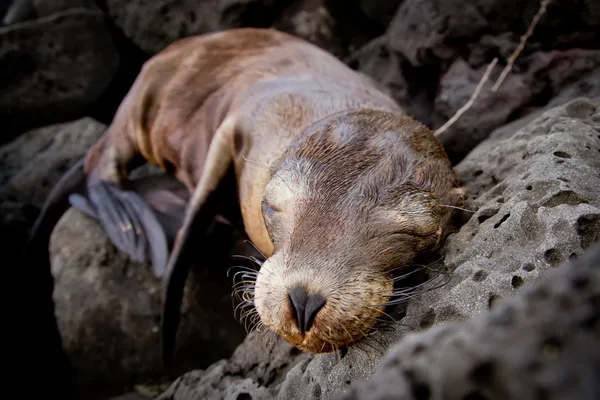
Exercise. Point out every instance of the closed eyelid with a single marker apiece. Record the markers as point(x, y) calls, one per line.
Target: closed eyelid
point(269, 205)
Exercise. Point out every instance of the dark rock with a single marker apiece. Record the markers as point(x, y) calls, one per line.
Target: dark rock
point(376, 61)
point(543, 343)
point(32, 164)
point(413, 88)
point(433, 89)
point(490, 110)
point(427, 31)
point(548, 73)
point(380, 12)
point(311, 20)
point(29, 167)
point(53, 68)
point(551, 78)
point(154, 25)
point(45, 8)
point(17, 11)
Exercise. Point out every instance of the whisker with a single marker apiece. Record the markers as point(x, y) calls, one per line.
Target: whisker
point(244, 289)
point(421, 266)
point(406, 275)
point(383, 312)
point(413, 289)
point(365, 342)
point(458, 208)
point(245, 277)
point(255, 248)
point(247, 269)
point(248, 258)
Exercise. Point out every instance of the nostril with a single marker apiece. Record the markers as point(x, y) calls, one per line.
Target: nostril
point(305, 307)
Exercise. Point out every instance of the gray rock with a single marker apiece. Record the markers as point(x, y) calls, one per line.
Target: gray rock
point(154, 25)
point(262, 360)
point(537, 197)
point(53, 68)
point(491, 257)
point(543, 343)
point(108, 309)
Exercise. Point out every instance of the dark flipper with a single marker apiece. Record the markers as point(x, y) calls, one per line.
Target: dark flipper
point(168, 198)
point(143, 218)
point(73, 181)
point(193, 232)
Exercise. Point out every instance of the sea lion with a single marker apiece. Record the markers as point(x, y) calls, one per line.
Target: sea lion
point(337, 187)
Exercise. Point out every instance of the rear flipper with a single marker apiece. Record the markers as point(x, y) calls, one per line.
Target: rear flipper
point(142, 217)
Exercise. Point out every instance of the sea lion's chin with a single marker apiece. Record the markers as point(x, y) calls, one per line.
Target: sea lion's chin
point(323, 314)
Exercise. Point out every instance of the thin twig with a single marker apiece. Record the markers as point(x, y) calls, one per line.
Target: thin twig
point(511, 60)
point(469, 103)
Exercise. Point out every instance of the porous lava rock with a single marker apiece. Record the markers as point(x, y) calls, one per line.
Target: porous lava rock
point(543, 343)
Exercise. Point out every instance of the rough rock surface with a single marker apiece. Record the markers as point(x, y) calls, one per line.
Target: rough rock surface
point(52, 68)
point(515, 236)
point(312, 21)
point(541, 344)
point(44, 7)
point(108, 309)
point(153, 26)
point(423, 30)
point(32, 164)
point(380, 12)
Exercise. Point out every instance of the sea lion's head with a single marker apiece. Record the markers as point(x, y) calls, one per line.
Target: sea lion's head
point(356, 197)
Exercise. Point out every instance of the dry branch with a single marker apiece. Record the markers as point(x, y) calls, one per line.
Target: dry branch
point(521, 46)
point(469, 103)
point(509, 64)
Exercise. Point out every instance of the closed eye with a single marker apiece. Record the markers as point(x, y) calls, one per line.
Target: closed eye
point(413, 233)
point(268, 208)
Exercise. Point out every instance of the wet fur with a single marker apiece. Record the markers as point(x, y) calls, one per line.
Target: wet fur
point(334, 183)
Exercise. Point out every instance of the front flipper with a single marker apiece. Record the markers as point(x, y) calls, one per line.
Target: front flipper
point(201, 212)
point(190, 237)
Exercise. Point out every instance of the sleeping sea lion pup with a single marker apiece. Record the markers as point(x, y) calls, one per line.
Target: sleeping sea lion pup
point(336, 186)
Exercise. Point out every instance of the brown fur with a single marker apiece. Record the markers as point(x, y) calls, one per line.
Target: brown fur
point(335, 183)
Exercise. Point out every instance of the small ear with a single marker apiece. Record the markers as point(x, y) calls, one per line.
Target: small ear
point(456, 196)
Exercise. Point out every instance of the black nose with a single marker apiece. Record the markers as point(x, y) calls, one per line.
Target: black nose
point(305, 307)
